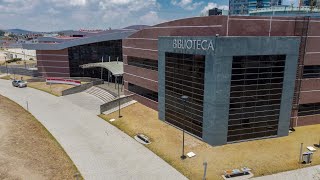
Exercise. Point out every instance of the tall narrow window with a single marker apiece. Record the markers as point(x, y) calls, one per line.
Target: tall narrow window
point(184, 75)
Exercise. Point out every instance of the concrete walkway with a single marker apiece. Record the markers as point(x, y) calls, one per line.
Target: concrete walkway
point(309, 173)
point(99, 150)
point(85, 100)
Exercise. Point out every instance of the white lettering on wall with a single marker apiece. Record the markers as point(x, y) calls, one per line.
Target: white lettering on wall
point(206, 45)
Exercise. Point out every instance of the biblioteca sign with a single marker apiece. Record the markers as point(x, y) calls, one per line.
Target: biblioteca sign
point(206, 45)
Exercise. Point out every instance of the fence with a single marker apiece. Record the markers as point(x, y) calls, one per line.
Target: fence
point(19, 71)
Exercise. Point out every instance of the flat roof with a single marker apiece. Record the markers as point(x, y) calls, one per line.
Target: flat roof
point(100, 37)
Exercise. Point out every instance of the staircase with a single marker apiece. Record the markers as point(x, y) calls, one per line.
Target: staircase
point(102, 94)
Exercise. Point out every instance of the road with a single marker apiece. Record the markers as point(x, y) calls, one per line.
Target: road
point(98, 149)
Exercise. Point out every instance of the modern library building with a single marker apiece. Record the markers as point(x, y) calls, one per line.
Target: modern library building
point(245, 77)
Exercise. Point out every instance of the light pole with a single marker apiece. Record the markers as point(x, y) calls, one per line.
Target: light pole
point(118, 79)
point(24, 59)
point(101, 69)
point(5, 59)
point(184, 100)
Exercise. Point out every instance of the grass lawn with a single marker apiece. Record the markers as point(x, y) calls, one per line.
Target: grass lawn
point(264, 157)
point(27, 149)
point(55, 89)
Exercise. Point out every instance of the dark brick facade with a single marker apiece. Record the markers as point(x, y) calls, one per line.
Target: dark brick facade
point(53, 63)
point(144, 44)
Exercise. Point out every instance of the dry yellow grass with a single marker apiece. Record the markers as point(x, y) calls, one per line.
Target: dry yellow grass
point(55, 89)
point(263, 156)
point(27, 149)
point(11, 76)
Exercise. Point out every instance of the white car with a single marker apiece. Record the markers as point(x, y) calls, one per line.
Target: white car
point(19, 83)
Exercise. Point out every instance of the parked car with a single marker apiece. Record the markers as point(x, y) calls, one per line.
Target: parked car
point(19, 83)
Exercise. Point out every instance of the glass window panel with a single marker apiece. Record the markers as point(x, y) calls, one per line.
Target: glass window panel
point(184, 74)
point(255, 96)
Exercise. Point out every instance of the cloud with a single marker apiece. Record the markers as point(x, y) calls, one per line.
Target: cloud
point(211, 5)
point(75, 14)
point(53, 11)
point(66, 3)
point(150, 18)
point(52, 15)
point(17, 6)
point(186, 4)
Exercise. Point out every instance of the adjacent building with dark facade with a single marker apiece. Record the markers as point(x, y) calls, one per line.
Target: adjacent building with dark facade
point(62, 56)
point(246, 77)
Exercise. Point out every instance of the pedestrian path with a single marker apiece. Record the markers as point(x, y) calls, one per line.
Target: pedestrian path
point(309, 173)
point(98, 149)
point(87, 101)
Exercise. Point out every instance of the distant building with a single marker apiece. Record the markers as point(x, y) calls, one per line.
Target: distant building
point(244, 6)
point(286, 11)
point(255, 4)
point(216, 11)
point(238, 7)
point(310, 2)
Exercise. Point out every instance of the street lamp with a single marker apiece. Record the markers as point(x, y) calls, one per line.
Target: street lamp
point(5, 59)
point(184, 100)
point(117, 80)
point(24, 59)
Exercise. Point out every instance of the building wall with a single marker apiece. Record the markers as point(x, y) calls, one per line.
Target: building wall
point(144, 43)
point(218, 77)
point(53, 63)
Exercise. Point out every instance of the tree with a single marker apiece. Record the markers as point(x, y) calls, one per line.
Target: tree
point(2, 33)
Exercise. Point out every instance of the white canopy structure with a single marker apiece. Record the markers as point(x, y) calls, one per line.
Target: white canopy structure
point(115, 67)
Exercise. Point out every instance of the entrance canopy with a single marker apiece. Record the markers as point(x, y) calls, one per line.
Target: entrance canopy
point(116, 68)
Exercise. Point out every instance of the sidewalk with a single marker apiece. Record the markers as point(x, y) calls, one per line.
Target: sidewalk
point(99, 150)
point(309, 173)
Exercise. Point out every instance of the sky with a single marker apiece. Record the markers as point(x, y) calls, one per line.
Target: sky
point(53, 15)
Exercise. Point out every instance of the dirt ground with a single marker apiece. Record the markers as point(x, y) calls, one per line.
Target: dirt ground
point(27, 149)
point(264, 157)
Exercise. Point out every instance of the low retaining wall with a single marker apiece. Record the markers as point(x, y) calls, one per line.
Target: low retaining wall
point(115, 103)
point(76, 89)
point(82, 87)
point(37, 79)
